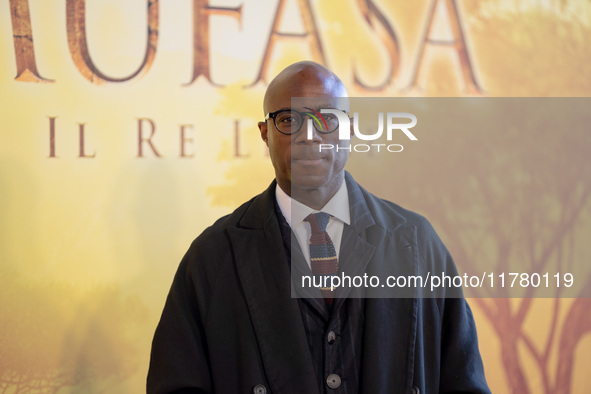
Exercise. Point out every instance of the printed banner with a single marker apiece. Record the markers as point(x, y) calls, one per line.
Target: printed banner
point(129, 127)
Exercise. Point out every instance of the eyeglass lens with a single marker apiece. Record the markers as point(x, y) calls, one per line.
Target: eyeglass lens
point(289, 121)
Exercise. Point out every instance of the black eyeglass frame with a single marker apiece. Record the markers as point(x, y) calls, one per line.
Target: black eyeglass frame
point(273, 115)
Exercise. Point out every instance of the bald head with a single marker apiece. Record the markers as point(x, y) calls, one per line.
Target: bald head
point(302, 76)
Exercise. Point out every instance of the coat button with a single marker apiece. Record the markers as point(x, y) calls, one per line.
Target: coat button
point(331, 337)
point(415, 390)
point(259, 389)
point(333, 381)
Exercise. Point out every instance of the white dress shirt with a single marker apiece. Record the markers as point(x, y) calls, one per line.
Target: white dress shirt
point(295, 213)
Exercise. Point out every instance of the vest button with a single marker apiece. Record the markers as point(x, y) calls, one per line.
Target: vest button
point(331, 337)
point(333, 381)
point(259, 389)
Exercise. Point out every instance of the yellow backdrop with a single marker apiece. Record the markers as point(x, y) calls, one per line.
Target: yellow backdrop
point(128, 127)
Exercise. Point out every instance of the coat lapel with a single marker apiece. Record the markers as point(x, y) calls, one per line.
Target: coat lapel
point(353, 259)
point(265, 278)
point(358, 243)
point(391, 323)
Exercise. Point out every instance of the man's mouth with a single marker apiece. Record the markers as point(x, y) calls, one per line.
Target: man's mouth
point(308, 161)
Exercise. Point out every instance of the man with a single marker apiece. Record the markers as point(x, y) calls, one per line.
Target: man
point(230, 323)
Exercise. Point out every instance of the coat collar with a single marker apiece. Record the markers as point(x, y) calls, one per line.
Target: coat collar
point(260, 213)
point(363, 210)
point(367, 210)
point(368, 227)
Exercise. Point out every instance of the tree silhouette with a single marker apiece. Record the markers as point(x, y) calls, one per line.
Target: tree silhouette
point(56, 336)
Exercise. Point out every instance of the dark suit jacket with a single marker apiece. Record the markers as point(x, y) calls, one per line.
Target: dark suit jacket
point(230, 324)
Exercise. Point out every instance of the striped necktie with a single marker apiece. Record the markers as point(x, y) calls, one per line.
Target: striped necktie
point(323, 256)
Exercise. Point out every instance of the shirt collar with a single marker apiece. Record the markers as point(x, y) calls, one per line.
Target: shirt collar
point(296, 212)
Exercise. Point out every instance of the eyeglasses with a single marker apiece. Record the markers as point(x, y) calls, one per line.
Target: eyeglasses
point(290, 121)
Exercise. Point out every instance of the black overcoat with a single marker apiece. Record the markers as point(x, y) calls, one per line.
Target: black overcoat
point(231, 326)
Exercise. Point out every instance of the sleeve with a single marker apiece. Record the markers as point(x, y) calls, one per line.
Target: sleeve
point(462, 370)
point(460, 365)
point(179, 361)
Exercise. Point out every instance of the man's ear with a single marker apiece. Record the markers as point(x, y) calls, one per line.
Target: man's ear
point(351, 127)
point(263, 129)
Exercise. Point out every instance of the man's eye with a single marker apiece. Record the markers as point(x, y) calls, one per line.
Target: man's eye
point(288, 119)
